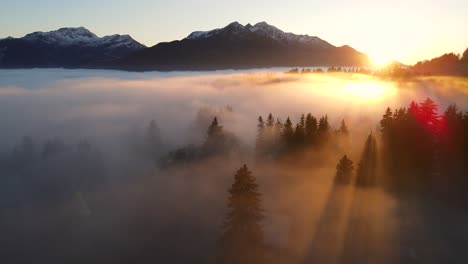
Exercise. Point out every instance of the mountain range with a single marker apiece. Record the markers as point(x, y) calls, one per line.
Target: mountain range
point(65, 47)
point(232, 47)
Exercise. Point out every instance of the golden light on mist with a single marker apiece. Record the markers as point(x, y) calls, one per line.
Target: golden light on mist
point(367, 90)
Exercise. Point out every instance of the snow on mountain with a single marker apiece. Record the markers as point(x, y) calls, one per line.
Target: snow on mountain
point(119, 41)
point(81, 36)
point(63, 36)
point(65, 47)
point(203, 34)
point(264, 29)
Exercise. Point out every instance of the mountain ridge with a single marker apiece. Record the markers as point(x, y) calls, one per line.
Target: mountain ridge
point(234, 46)
point(69, 47)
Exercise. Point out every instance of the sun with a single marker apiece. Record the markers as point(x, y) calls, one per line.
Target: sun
point(380, 61)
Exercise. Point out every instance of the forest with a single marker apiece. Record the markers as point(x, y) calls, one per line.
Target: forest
point(57, 199)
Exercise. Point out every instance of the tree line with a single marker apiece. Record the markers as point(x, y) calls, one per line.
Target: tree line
point(275, 138)
point(330, 70)
point(420, 149)
point(425, 149)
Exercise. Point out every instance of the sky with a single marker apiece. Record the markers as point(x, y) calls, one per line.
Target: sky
point(407, 31)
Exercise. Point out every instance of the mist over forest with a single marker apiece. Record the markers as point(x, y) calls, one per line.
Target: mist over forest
point(107, 166)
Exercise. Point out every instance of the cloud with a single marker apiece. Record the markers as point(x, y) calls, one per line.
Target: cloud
point(173, 208)
point(65, 99)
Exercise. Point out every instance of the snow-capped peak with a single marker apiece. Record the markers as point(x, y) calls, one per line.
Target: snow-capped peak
point(203, 34)
point(82, 36)
point(264, 29)
point(279, 35)
point(206, 34)
point(64, 36)
point(119, 40)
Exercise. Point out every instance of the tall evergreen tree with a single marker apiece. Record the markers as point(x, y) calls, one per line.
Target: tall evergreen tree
point(288, 132)
point(323, 129)
point(343, 128)
point(386, 121)
point(310, 128)
point(214, 129)
point(242, 237)
point(302, 121)
point(367, 167)
point(344, 171)
point(271, 135)
point(270, 121)
point(344, 139)
point(429, 114)
point(299, 135)
point(450, 150)
point(277, 132)
point(278, 127)
point(215, 140)
point(260, 143)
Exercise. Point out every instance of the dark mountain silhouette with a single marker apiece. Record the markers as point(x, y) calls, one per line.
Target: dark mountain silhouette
point(232, 47)
point(65, 47)
point(237, 46)
point(447, 64)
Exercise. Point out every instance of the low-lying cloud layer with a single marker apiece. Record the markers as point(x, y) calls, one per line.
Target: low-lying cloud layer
point(106, 104)
point(175, 214)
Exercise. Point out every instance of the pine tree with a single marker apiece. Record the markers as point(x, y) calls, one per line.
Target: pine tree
point(260, 140)
point(450, 147)
point(323, 129)
point(271, 135)
point(388, 146)
point(270, 121)
point(215, 139)
point(428, 114)
point(288, 132)
point(276, 134)
point(343, 128)
point(278, 128)
point(344, 171)
point(299, 135)
point(214, 129)
point(343, 139)
point(367, 168)
point(323, 124)
point(386, 121)
point(242, 237)
point(310, 128)
point(414, 109)
point(302, 122)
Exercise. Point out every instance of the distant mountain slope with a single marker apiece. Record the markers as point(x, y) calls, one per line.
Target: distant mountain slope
point(232, 47)
point(65, 47)
point(238, 46)
point(447, 64)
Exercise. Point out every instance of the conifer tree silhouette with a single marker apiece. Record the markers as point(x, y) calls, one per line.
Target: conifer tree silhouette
point(242, 237)
point(367, 168)
point(344, 171)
